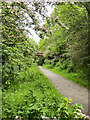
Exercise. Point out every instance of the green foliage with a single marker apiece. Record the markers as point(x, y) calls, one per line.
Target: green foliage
point(46, 61)
point(40, 60)
point(67, 38)
point(33, 96)
point(67, 42)
point(26, 91)
point(66, 64)
point(18, 51)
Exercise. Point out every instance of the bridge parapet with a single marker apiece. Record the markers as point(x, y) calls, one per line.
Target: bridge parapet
point(39, 53)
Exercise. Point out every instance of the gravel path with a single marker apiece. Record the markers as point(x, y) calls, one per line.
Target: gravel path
point(68, 88)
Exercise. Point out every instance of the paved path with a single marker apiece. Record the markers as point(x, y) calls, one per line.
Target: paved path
point(68, 88)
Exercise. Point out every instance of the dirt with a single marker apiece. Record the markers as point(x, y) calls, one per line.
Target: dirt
point(69, 89)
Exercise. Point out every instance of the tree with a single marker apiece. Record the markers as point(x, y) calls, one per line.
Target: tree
point(18, 51)
point(68, 26)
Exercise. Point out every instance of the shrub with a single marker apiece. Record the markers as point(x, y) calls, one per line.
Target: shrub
point(46, 61)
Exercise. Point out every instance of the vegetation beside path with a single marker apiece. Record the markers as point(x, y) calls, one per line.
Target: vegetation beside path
point(65, 45)
point(33, 96)
point(26, 92)
point(75, 77)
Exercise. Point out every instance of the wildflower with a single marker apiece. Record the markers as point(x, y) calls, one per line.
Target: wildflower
point(55, 118)
point(16, 117)
point(43, 117)
point(16, 22)
point(72, 2)
point(11, 11)
point(87, 117)
point(40, 27)
point(12, 18)
point(14, 9)
point(8, 2)
point(76, 117)
point(22, 9)
point(24, 15)
point(83, 115)
point(18, 2)
point(57, 18)
point(8, 6)
point(25, 4)
point(78, 113)
point(78, 110)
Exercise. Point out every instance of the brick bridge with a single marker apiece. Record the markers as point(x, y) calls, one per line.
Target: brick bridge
point(39, 53)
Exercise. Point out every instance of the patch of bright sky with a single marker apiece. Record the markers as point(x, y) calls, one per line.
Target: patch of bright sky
point(33, 35)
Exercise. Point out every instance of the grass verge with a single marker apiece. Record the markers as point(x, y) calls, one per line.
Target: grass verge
point(75, 77)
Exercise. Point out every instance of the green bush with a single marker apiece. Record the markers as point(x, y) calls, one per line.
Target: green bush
point(46, 61)
point(54, 61)
point(66, 64)
point(40, 60)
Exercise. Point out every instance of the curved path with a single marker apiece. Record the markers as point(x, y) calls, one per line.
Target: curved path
point(68, 88)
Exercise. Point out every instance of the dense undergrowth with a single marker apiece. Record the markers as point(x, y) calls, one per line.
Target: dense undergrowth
point(33, 96)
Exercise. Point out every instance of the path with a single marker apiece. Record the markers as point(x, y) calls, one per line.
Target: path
point(68, 88)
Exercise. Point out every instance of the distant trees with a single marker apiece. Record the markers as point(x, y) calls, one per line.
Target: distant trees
point(67, 36)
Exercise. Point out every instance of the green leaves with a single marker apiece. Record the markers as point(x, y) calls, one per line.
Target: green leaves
point(25, 98)
point(33, 96)
point(67, 45)
point(18, 51)
point(74, 17)
point(79, 106)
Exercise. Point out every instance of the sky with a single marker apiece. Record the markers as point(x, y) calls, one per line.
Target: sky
point(34, 36)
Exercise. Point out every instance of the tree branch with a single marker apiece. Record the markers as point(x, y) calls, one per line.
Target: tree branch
point(62, 24)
